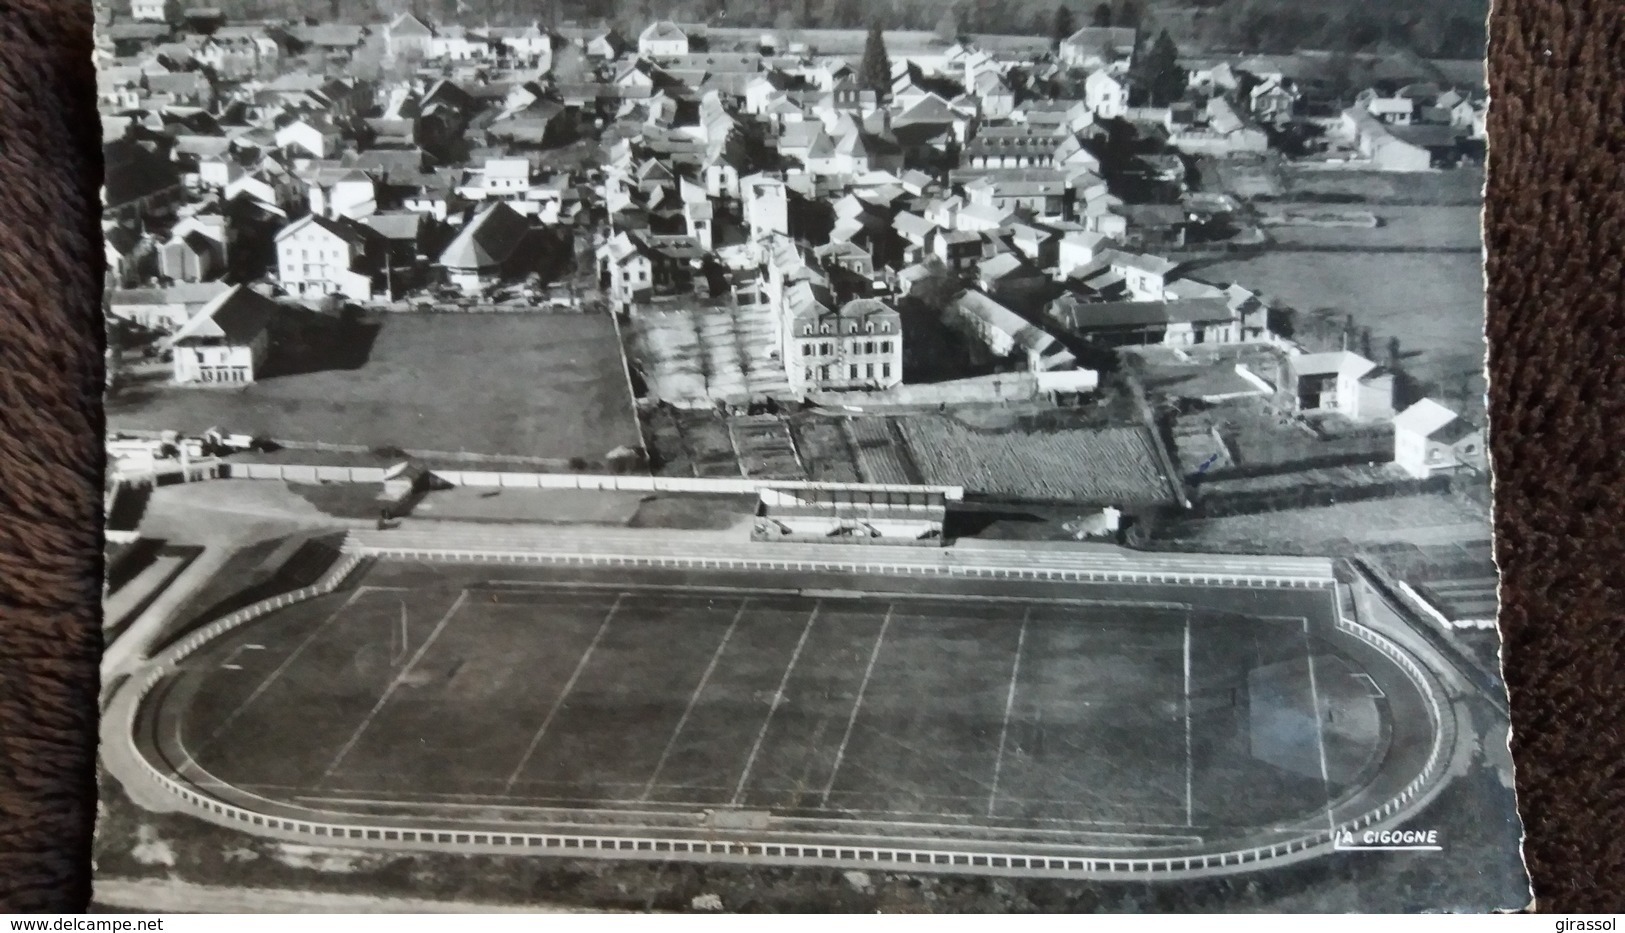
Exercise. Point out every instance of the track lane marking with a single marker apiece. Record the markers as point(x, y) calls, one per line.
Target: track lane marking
point(693, 700)
point(1320, 731)
point(394, 684)
point(277, 671)
point(857, 704)
point(1190, 767)
point(558, 702)
point(778, 698)
point(1009, 704)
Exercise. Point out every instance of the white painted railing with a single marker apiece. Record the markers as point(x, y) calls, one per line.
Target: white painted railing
point(875, 565)
point(588, 845)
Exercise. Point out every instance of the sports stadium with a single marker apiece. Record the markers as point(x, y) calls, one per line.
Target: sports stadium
point(1047, 710)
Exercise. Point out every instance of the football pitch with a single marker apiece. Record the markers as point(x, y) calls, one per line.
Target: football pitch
point(1107, 718)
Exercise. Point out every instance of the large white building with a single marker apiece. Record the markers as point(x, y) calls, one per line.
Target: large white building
point(320, 256)
point(830, 347)
point(226, 342)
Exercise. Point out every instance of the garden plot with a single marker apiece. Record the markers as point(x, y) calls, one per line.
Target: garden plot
point(705, 435)
point(694, 356)
point(824, 450)
point(766, 449)
point(1106, 465)
point(881, 455)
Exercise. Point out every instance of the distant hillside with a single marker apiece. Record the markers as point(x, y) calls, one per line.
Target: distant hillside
point(1434, 29)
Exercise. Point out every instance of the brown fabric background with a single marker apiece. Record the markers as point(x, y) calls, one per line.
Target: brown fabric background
point(1556, 226)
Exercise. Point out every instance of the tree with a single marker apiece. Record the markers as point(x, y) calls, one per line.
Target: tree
point(1103, 16)
point(1396, 359)
point(1157, 73)
point(1127, 14)
point(1064, 26)
point(875, 71)
point(948, 26)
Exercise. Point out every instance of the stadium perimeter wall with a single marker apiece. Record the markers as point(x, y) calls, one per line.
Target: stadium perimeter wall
point(1312, 843)
point(303, 473)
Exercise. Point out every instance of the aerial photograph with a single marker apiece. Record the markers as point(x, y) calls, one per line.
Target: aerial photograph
point(916, 457)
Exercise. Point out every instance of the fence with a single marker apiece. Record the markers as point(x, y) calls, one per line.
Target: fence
point(303, 473)
point(888, 562)
point(1437, 614)
point(586, 845)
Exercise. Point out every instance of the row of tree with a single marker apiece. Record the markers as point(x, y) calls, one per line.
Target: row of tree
point(1439, 28)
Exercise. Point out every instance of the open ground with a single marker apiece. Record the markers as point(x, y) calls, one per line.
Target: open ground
point(1432, 302)
point(537, 385)
point(1038, 717)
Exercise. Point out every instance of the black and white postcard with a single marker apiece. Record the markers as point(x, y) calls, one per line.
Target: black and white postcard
point(928, 457)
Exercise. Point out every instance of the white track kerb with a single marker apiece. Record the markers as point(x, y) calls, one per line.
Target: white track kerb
point(1313, 841)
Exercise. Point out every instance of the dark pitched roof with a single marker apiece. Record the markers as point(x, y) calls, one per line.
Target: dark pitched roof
point(488, 240)
point(1085, 316)
point(236, 316)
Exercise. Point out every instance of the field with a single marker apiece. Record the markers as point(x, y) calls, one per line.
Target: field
point(543, 385)
point(1459, 187)
point(1432, 302)
point(1399, 227)
point(1106, 465)
point(1089, 717)
point(1339, 529)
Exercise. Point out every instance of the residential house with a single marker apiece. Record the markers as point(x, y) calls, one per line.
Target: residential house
point(124, 248)
point(245, 51)
point(1339, 382)
point(164, 308)
point(1398, 110)
point(996, 98)
point(1008, 335)
point(226, 342)
point(766, 206)
point(408, 36)
point(319, 256)
point(626, 269)
point(959, 250)
point(1106, 94)
point(1430, 439)
point(1078, 250)
point(1006, 274)
point(1419, 150)
point(1040, 191)
point(1179, 322)
point(179, 89)
point(662, 39)
point(404, 238)
point(340, 192)
point(309, 137)
point(832, 348)
point(495, 244)
point(1154, 226)
point(1038, 245)
point(1220, 131)
point(1095, 48)
point(160, 11)
point(1273, 100)
point(192, 255)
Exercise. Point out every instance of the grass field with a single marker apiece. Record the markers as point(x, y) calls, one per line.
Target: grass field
point(1433, 302)
point(1406, 226)
point(517, 694)
point(543, 385)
